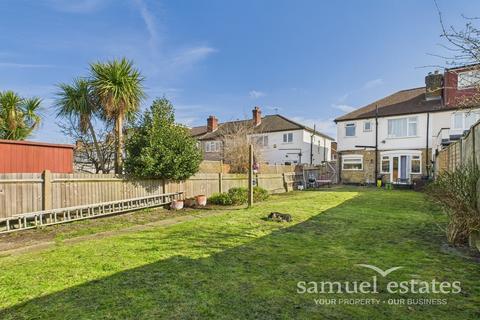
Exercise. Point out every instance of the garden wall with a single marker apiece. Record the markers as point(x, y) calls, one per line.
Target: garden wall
point(30, 192)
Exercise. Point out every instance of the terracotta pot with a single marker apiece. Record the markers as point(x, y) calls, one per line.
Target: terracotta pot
point(201, 200)
point(176, 205)
point(189, 203)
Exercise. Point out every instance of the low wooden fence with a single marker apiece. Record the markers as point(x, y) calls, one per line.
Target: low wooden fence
point(30, 192)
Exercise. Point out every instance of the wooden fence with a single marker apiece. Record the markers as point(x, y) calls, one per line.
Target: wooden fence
point(30, 192)
point(465, 150)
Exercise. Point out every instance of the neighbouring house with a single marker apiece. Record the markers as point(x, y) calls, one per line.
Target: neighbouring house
point(35, 157)
point(398, 137)
point(282, 141)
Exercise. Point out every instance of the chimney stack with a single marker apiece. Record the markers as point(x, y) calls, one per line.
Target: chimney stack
point(212, 124)
point(257, 116)
point(433, 84)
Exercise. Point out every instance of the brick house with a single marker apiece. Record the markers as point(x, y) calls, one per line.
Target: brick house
point(283, 141)
point(398, 136)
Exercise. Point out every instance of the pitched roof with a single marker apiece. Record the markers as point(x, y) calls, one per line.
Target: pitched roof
point(408, 101)
point(270, 123)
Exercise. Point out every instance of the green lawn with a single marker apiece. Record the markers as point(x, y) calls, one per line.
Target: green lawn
point(236, 265)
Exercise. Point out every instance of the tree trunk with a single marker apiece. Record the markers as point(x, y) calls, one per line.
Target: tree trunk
point(119, 146)
point(97, 147)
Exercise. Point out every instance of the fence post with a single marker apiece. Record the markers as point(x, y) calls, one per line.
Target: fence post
point(220, 182)
point(47, 190)
point(285, 185)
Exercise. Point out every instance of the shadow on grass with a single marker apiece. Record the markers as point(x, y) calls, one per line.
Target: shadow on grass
point(257, 280)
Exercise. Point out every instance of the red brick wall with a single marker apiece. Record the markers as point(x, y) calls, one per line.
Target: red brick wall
point(451, 94)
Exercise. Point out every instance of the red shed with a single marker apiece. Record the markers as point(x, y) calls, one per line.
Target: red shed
point(35, 157)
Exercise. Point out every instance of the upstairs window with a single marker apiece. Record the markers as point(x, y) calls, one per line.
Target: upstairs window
point(350, 130)
point(468, 79)
point(402, 127)
point(288, 137)
point(261, 141)
point(212, 146)
point(464, 120)
point(367, 126)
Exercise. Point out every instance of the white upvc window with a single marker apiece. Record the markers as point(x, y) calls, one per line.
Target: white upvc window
point(468, 79)
point(464, 120)
point(385, 165)
point(415, 165)
point(367, 126)
point(402, 127)
point(350, 129)
point(261, 141)
point(213, 146)
point(352, 162)
point(288, 137)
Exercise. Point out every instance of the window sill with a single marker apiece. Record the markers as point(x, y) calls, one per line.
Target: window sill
point(396, 138)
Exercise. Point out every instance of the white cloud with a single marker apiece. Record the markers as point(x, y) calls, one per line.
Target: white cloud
point(373, 83)
point(23, 65)
point(192, 55)
point(77, 6)
point(343, 107)
point(149, 21)
point(254, 94)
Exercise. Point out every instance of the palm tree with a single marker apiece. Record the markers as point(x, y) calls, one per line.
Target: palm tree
point(118, 86)
point(77, 102)
point(18, 116)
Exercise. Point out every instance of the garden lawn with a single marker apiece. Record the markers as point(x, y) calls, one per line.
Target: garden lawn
point(237, 265)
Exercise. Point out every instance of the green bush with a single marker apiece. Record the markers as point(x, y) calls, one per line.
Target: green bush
point(456, 192)
point(238, 196)
point(260, 194)
point(222, 199)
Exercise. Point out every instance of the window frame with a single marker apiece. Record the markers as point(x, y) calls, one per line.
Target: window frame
point(352, 157)
point(419, 159)
point(408, 122)
point(383, 158)
point(370, 126)
point(288, 137)
point(461, 77)
point(351, 125)
point(212, 143)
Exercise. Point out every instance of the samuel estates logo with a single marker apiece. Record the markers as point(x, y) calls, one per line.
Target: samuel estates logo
point(371, 285)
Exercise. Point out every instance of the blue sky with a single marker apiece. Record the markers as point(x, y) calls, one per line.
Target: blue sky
point(310, 60)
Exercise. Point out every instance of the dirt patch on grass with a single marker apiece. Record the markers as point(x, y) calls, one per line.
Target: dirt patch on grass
point(62, 232)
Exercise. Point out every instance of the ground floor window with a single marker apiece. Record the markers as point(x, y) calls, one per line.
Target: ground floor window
point(415, 166)
point(385, 164)
point(352, 162)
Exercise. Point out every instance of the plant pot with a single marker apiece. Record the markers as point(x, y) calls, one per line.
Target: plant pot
point(201, 200)
point(176, 205)
point(190, 203)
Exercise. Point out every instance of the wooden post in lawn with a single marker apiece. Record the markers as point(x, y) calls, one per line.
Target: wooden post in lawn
point(250, 175)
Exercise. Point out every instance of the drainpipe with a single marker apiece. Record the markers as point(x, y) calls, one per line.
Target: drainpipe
point(426, 157)
point(376, 145)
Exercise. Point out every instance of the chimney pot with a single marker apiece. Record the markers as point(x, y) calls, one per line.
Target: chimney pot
point(212, 124)
point(257, 116)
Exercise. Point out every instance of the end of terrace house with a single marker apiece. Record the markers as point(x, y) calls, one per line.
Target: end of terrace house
point(396, 138)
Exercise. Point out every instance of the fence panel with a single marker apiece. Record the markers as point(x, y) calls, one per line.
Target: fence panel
point(20, 192)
